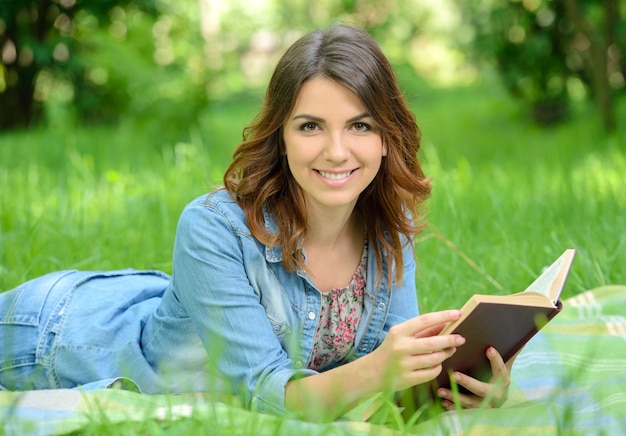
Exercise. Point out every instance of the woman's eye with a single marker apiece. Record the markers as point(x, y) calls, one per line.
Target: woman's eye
point(309, 127)
point(361, 127)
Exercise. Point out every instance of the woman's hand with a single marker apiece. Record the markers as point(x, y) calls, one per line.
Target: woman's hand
point(485, 394)
point(412, 352)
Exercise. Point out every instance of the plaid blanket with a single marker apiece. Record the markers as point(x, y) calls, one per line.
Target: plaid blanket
point(569, 379)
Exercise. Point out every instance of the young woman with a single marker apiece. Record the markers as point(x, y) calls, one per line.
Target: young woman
point(293, 286)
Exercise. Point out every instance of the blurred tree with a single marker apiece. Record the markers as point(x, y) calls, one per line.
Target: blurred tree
point(542, 49)
point(600, 32)
point(244, 38)
point(101, 60)
point(38, 35)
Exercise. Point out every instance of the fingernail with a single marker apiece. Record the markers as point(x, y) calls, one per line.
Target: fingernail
point(491, 351)
point(457, 376)
point(460, 340)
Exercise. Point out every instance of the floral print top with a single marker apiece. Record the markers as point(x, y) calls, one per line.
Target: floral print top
point(339, 317)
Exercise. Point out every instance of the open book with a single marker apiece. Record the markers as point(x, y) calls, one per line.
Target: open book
point(506, 322)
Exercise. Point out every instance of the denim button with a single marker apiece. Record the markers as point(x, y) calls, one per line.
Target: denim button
point(311, 316)
point(381, 306)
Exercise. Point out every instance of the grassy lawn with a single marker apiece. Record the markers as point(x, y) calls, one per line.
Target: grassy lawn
point(508, 196)
point(511, 197)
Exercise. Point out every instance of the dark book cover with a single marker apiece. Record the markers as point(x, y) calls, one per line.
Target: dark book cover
point(506, 327)
point(506, 322)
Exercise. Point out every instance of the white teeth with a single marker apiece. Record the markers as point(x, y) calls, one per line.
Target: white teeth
point(335, 176)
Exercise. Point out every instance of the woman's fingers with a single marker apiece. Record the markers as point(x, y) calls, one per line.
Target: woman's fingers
point(420, 346)
point(416, 326)
point(429, 360)
point(420, 334)
point(431, 331)
point(468, 401)
point(414, 351)
point(495, 392)
point(501, 373)
point(423, 368)
point(500, 379)
point(451, 400)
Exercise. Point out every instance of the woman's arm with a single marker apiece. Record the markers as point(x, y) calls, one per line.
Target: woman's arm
point(411, 354)
point(211, 282)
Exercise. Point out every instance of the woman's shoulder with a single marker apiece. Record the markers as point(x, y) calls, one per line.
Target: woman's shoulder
point(216, 206)
point(220, 196)
point(219, 200)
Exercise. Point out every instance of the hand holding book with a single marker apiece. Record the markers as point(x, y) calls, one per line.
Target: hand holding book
point(505, 322)
point(474, 393)
point(495, 328)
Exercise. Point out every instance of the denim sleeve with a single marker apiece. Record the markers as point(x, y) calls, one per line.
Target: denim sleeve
point(403, 304)
point(209, 279)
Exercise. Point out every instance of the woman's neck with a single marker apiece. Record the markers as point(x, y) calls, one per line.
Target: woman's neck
point(333, 246)
point(328, 228)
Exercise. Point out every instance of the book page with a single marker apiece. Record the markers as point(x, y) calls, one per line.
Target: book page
point(550, 282)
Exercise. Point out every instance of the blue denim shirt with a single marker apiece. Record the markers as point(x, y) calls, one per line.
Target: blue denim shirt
point(235, 291)
point(230, 318)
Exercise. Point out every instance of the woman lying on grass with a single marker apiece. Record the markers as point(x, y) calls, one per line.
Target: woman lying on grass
point(293, 286)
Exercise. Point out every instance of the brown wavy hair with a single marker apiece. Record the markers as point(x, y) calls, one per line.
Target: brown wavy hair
point(259, 176)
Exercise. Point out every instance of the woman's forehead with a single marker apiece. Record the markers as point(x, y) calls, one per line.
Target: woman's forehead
point(325, 95)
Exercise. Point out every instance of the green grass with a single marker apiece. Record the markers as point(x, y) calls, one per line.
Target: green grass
point(511, 197)
point(508, 196)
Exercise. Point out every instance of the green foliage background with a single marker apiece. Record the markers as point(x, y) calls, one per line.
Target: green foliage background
point(147, 113)
point(166, 87)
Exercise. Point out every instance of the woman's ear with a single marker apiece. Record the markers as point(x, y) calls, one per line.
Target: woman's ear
point(384, 148)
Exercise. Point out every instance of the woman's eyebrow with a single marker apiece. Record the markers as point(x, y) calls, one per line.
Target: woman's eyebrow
point(322, 120)
point(309, 118)
point(358, 117)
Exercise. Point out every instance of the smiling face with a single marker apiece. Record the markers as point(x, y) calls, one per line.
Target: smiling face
point(334, 148)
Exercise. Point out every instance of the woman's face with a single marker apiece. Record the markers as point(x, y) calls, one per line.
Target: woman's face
point(334, 148)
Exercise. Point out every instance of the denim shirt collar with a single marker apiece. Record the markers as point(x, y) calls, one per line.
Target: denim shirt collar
point(275, 253)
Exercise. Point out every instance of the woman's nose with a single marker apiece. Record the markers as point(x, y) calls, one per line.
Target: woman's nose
point(337, 148)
